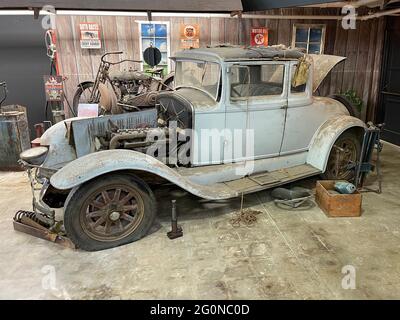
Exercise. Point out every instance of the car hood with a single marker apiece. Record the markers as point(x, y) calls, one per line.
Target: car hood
point(323, 64)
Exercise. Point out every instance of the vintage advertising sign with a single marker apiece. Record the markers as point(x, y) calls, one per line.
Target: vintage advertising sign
point(259, 37)
point(190, 36)
point(90, 35)
point(53, 86)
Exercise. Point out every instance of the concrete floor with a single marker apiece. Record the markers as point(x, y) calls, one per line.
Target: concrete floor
point(285, 255)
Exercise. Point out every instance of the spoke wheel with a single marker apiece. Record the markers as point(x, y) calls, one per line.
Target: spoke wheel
point(111, 213)
point(343, 157)
point(82, 95)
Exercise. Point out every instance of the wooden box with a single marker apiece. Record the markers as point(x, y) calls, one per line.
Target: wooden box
point(337, 205)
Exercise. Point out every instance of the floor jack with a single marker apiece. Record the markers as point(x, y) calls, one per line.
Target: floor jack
point(371, 142)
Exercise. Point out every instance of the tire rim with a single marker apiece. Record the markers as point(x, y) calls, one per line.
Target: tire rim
point(344, 153)
point(111, 213)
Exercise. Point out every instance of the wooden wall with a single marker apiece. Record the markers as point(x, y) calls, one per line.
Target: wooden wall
point(362, 47)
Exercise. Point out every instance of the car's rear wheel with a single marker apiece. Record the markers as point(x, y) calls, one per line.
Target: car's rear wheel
point(109, 211)
point(343, 157)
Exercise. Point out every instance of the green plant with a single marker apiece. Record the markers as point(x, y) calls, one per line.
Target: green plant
point(354, 98)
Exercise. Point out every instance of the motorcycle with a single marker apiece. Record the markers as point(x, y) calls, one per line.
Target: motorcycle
point(131, 90)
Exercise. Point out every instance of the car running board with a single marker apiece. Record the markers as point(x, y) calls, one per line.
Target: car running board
point(271, 179)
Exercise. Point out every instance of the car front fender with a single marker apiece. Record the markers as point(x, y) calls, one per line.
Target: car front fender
point(96, 164)
point(326, 136)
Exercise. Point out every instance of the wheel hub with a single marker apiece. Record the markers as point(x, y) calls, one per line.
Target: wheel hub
point(342, 159)
point(114, 216)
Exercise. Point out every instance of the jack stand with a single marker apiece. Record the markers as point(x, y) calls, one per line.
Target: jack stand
point(176, 231)
point(364, 166)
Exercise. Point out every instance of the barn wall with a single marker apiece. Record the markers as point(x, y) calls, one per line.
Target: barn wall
point(362, 46)
point(122, 34)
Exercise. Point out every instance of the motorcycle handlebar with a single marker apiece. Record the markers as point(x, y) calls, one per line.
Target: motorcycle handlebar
point(113, 63)
point(109, 53)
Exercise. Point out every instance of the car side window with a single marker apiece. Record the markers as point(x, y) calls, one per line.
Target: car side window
point(298, 89)
point(262, 80)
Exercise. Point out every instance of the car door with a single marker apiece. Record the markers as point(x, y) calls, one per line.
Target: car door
point(302, 118)
point(256, 103)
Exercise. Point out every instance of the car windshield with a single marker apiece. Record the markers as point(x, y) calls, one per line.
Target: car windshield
point(201, 75)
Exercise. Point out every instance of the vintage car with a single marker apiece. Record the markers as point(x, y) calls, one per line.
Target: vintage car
point(240, 120)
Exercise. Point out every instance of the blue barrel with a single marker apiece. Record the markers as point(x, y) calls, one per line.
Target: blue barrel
point(14, 136)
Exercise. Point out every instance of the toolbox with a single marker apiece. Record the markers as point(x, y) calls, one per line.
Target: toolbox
point(335, 204)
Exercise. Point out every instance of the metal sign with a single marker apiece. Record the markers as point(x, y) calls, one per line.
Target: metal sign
point(259, 37)
point(90, 35)
point(190, 36)
point(53, 86)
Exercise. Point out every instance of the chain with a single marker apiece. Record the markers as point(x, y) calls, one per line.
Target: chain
point(247, 217)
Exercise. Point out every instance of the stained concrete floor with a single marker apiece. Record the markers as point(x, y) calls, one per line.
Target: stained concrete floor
point(285, 255)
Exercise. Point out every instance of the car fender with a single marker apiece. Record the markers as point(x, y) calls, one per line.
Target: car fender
point(97, 164)
point(325, 137)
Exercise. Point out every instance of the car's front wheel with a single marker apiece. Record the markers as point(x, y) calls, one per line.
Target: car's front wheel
point(109, 211)
point(343, 157)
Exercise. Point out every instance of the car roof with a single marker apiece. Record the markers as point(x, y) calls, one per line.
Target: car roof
point(236, 53)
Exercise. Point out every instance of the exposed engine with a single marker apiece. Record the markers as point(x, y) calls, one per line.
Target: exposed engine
point(174, 119)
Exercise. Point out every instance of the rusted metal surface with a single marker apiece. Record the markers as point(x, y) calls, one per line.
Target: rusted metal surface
point(112, 213)
point(24, 223)
point(14, 135)
point(85, 131)
point(96, 164)
point(337, 205)
point(322, 65)
point(176, 231)
point(93, 165)
point(324, 139)
point(237, 53)
point(326, 120)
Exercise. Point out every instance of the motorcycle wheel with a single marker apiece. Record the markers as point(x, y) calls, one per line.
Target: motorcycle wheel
point(82, 95)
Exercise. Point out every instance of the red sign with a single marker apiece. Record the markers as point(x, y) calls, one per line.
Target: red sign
point(259, 37)
point(53, 86)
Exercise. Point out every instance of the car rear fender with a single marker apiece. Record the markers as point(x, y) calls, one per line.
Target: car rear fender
point(325, 137)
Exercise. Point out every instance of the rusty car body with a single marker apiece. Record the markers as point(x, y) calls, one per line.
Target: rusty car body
point(265, 131)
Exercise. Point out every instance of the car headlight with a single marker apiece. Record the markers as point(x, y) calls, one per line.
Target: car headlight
point(34, 156)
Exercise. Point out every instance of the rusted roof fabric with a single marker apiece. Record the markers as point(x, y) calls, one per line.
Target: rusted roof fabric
point(232, 53)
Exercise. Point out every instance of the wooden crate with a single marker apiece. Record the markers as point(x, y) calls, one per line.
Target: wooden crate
point(337, 205)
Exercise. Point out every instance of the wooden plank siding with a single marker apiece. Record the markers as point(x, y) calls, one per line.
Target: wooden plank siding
point(363, 47)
